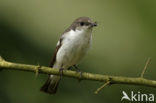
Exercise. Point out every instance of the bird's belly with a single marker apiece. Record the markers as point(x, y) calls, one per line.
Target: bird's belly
point(77, 52)
point(73, 51)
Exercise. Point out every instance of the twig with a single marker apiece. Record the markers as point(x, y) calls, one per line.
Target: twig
point(1, 60)
point(73, 74)
point(99, 89)
point(37, 70)
point(145, 67)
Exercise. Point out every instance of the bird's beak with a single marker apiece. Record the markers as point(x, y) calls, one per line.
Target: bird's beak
point(94, 24)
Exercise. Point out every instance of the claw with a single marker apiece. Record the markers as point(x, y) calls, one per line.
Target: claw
point(61, 72)
point(78, 70)
point(70, 68)
point(79, 80)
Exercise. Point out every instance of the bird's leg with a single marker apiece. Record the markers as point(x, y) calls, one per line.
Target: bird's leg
point(75, 67)
point(70, 68)
point(61, 72)
point(78, 70)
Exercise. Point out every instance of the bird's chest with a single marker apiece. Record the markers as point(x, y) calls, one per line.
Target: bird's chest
point(75, 46)
point(78, 42)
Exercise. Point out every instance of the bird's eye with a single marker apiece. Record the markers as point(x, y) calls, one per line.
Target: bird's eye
point(81, 23)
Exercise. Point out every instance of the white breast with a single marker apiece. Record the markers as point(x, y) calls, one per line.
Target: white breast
point(75, 45)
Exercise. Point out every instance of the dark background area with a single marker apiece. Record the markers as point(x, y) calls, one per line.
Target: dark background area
point(122, 42)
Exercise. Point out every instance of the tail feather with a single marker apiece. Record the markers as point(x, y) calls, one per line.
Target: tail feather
point(51, 85)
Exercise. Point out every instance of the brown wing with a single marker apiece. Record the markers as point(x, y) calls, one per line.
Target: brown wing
point(73, 26)
point(55, 53)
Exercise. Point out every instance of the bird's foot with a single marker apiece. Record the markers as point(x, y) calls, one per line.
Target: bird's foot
point(80, 78)
point(61, 72)
point(79, 71)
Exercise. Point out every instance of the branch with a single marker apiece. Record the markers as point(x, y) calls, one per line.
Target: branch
point(145, 67)
point(5, 65)
point(97, 91)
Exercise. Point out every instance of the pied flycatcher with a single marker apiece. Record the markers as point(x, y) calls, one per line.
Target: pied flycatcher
point(71, 48)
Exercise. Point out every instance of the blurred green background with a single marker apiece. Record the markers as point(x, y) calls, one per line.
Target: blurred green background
point(122, 42)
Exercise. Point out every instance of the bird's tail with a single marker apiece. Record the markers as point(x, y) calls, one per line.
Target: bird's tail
point(51, 84)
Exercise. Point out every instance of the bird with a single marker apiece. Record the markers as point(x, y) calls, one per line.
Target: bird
point(72, 46)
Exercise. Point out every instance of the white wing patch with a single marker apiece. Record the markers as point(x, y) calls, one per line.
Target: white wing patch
point(58, 43)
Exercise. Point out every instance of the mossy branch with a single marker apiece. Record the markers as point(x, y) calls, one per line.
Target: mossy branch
point(5, 65)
